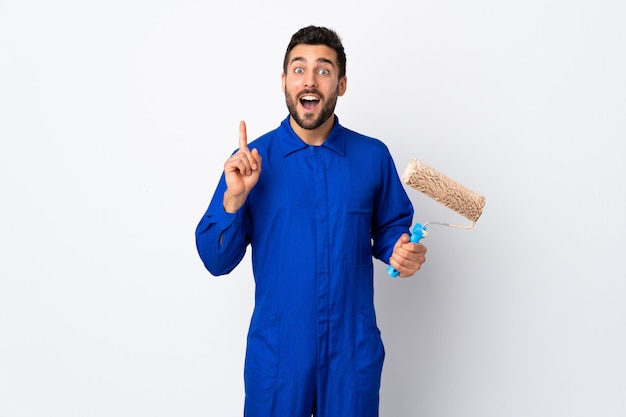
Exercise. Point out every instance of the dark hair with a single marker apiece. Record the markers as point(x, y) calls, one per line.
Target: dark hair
point(318, 35)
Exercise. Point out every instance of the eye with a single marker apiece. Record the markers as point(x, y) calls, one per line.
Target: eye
point(298, 70)
point(324, 72)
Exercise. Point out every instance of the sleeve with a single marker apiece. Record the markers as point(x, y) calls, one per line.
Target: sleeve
point(393, 211)
point(221, 238)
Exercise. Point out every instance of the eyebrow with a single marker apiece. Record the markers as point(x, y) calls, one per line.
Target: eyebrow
point(319, 60)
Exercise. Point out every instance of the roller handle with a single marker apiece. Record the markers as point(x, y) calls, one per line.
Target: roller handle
point(416, 235)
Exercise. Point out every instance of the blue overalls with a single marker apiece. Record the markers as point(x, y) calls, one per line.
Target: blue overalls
point(314, 220)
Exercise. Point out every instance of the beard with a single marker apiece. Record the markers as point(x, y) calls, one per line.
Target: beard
point(309, 121)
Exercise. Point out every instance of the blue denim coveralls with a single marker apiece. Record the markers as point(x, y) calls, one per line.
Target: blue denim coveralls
point(314, 220)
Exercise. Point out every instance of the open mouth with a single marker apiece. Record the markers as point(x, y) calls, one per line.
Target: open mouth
point(309, 102)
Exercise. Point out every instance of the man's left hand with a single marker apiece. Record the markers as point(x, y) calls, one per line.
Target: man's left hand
point(407, 257)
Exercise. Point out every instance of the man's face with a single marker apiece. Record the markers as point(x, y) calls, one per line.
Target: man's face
point(312, 85)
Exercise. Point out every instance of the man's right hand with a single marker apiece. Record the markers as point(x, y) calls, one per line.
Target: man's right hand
point(242, 171)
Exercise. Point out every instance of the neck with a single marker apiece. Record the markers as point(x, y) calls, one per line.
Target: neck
point(313, 137)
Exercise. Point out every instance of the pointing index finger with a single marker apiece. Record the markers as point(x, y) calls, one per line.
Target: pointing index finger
point(243, 136)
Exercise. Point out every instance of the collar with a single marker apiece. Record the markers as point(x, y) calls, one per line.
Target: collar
point(290, 142)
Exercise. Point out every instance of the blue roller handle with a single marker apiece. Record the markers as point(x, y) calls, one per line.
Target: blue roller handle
point(416, 235)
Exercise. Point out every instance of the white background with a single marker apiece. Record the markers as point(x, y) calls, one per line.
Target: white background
point(116, 117)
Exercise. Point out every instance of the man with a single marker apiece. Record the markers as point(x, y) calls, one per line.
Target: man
point(315, 201)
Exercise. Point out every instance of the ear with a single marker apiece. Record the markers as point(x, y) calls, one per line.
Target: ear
point(283, 80)
point(343, 85)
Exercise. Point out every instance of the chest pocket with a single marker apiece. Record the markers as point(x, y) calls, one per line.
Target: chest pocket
point(358, 222)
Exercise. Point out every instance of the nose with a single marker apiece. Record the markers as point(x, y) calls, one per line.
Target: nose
point(310, 81)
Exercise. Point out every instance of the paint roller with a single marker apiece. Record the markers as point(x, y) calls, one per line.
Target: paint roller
point(446, 191)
